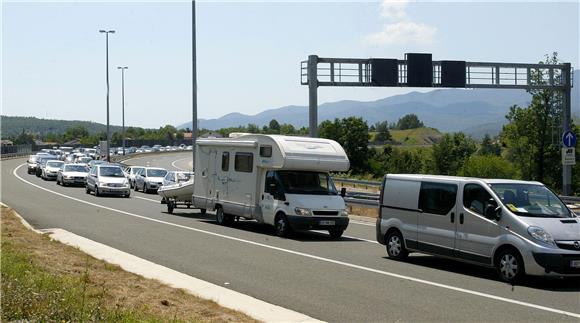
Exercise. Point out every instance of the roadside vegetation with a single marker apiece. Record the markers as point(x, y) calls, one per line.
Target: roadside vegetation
point(43, 280)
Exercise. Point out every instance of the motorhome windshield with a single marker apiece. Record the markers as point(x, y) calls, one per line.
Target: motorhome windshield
point(531, 200)
point(302, 182)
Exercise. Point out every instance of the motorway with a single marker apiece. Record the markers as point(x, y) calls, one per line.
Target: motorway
point(349, 280)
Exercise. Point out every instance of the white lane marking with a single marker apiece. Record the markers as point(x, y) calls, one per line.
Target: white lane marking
point(362, 223)
point(146, 199)
point(306, 255)
point(348, 237)
point(175, 161)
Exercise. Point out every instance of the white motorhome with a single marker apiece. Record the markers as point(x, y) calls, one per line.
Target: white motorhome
point(279, 180)
point(518, 227)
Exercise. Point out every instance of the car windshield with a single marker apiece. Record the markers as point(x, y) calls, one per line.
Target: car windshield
point(136, 169)
point(76, 168)
point(156, 173)
point(112, 172)
point(301, 182)
point(54, 164)
point(531, 200)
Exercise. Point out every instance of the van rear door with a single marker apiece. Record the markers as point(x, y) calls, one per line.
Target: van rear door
point(437, 221)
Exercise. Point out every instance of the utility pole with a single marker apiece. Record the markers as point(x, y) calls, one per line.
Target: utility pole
point(123, 68)
point(107, 32)
point(194, 82)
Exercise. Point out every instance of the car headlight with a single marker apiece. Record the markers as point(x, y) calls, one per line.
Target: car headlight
point(541, 235)
point(302, 211)
point(343, 213)
point(67, 177)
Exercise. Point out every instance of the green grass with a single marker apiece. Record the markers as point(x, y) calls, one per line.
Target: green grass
point(30, 293)
point(419, 136)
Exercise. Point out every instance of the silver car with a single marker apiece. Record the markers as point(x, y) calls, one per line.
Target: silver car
point(107, 179)
point(149, 179)
point(130, 173)
point(72, 174)
point(51, 169)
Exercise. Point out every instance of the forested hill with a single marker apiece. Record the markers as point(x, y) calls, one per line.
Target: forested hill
point(13, 126)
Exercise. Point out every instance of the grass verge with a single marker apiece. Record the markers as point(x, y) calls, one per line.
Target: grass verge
point(44, 280)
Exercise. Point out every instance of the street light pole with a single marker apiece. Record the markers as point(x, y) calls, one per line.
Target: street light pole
point(123, 68)
point(107, 32)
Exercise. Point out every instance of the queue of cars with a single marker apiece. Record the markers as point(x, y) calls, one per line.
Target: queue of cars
point(517, 227)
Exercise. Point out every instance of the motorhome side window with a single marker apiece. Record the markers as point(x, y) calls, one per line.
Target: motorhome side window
point(225, 161)
point(475, 198)
point(265, 151)
point(437, 198)
point(244, 162)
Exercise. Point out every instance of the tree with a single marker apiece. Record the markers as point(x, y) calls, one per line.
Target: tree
point(382, 129)
point(287, 129)
point(488, 147)
point(488, 166)
point(450, 153)
point(353, 135)
point(409, 121)
point(24, 139)
point(528, 135)
point(274, 127)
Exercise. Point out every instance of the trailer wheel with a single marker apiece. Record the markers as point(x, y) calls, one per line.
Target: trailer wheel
point(170, 207)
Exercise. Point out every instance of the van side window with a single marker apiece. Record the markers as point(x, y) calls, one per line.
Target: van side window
point(437, 198)
point(265, 151)
point(244, 162)
point(475, 198)
point(225, 161)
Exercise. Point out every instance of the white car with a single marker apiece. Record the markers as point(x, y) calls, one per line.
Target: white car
point(50, 171)
point(72, 174)
point(149, 179)
point(107, 179)
point(130, 173)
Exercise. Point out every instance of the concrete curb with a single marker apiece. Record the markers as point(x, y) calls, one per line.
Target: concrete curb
point(251, 306)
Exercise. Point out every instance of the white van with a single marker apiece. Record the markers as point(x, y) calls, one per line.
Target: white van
point(278, 180)
point(517, 227)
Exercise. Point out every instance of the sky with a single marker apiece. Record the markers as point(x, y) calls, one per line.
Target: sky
point(248, 52)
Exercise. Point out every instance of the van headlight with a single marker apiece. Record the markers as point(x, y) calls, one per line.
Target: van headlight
point(343, 213)
point(302, 211)
point(541, 235)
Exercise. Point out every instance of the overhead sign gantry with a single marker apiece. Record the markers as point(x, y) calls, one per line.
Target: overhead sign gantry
point(419, 70)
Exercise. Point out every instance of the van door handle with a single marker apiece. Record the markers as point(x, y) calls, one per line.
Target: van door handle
point(452, 217)
point(461, 218)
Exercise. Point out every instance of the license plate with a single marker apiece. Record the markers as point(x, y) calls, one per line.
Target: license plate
point(575, 263)
point(326, 222)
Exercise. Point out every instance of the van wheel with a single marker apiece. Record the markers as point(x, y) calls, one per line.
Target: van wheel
point(510, 265)
point(335, 233)
point(220, 217)
point(281, 225)
point(87, 190)
point(97, 191)
point(395, 246)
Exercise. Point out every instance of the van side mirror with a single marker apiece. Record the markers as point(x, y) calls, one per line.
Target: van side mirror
point(493, 212)
point(343, 192)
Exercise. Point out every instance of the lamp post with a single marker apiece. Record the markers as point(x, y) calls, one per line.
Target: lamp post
point(123, 68)
point(107, 32)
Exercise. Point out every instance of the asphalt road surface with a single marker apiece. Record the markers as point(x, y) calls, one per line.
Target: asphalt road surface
point(349, 280)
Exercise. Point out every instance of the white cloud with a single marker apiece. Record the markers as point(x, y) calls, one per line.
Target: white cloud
point(394, 9)
point(403, 32)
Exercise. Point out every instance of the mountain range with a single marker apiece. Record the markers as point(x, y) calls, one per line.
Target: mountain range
point(475, 112)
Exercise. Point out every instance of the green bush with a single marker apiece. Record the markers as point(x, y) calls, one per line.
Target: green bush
point(488, 166)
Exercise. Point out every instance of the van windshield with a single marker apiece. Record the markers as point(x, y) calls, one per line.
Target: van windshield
point(531, 200)
point(302, 182)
